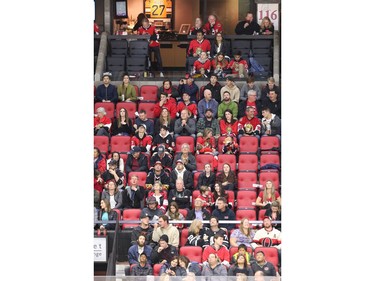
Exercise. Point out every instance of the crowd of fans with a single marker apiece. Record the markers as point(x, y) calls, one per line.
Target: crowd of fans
point(216, 117)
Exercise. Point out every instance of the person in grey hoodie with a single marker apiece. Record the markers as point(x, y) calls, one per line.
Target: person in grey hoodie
point(214, 268)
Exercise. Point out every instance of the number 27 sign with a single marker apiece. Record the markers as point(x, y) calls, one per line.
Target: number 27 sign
point(271, 11)
point(158, 8)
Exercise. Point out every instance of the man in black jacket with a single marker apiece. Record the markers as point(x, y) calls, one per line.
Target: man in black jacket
point(136, 162)
point(133, 195)
point(198, 212)
point(247, 26)
point(163, 252)
point(181, 172)
point(180, 195)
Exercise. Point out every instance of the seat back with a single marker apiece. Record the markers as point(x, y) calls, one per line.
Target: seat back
point(108, 106)
point(226, 158)
point(248, 144)
point(136, 65)
point(157, 268)
point(131, 214)
point(248, 163)
point(121, 144)
point(138, 48)
point(180, 140)
point(246, 180)
point(273, 176)
point(117, 46)
point(269, 159)
point(242, 45)
point(148, 107)
point(267, 143)
point(102, 142)
point(131, 108)
point(141, 177)
point(246, 199)
point(149, 93)
point(203, 159)
point(233, 250)
point(261, 47)
point(249, 214)
point(194, 253)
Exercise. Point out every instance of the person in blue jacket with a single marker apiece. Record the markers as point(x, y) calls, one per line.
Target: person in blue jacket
point(140, 247)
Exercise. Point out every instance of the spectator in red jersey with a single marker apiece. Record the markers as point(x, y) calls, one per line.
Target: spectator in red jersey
point(141, 139)
point(186, 103)
point(206, 144)
point(102, 124)
point(228, 124)
point(99, 161)
point(169, 89)
point(251, 101)
point(249, 125)
point(238, 66)
point(219, 66)
point(198, 45)
point(202, 66)
point(219, 249)
point(165, 102)
point(154, 45)
point(198, 26)
point(213, 26)
point(96, 29)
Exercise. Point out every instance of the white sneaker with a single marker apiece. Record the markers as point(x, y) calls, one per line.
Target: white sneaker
point(161, 74)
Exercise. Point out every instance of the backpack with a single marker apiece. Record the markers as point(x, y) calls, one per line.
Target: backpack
point(255, 67)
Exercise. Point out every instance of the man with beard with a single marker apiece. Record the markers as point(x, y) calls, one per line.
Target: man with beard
point(139, 248)
point(163, 252)
point(208, 121)
point(232, 89)
point(136, 162)
point(215, 229)
point(248, 26)
point(157, 174)
point(227, 103)
point(152, 210)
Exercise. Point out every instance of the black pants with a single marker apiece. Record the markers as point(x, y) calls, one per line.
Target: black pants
point(156, 51)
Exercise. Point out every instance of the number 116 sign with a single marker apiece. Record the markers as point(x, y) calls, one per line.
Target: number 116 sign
point(271, 11)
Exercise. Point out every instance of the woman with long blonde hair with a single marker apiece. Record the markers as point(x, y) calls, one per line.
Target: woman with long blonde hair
point(195, 234)
point(243, 235)
point(267, 196)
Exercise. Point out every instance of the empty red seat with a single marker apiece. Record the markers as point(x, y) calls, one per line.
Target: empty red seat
point(270, 144)
point(184, 235)
point(121, 144)
point(149, 92)
point(249, 144)
point(246, 199)
point(180, 140)
point(226, 158)
point(157, 268)
point(194, 253)
point(269, 159)
point(131, 214)
point(148, 107)
point(102, 142)
point(194, 195)
point(246, 180)
point(261, 214)
point(131, 108)
point(108, 106)
point(248, 163)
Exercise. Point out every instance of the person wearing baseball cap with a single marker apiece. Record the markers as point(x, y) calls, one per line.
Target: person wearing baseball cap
point(136, 162)
point(143, 228)
point(181, 172)
point(143, 267)
point(157, 173)
point(188, 86)
point(163, 156)
point(151, 210)
point(164, 141)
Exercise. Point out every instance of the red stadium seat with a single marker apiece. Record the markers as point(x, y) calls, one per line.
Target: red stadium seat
point(233, 250)
point(220, 144)
point(261, 214)
point(269, 175)
point(149, 93)
point(108, 106)
point(196, 175)
point(248, 145)
point(194, 195)
point(226, 158)
point(270, 144)
point(102, 142)
point(246, 199)
point(249, 214)
point(270, 253)
point(124, 157)
point(121, 144)
point(148, 107)
point(200, 93)
point(180, 140)
point(131, 107)
point(183, 212)
point(245, 180)
point(157, 268)
point(141, 177)
point(231, 197)
point(248, 163)
point(183, 236)
point(269, 159)
point(194, 253)
point(203, 159)
point(136, 90)
point(131, 214)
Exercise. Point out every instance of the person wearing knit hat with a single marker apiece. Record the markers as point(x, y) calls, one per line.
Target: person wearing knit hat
point(163, 252)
